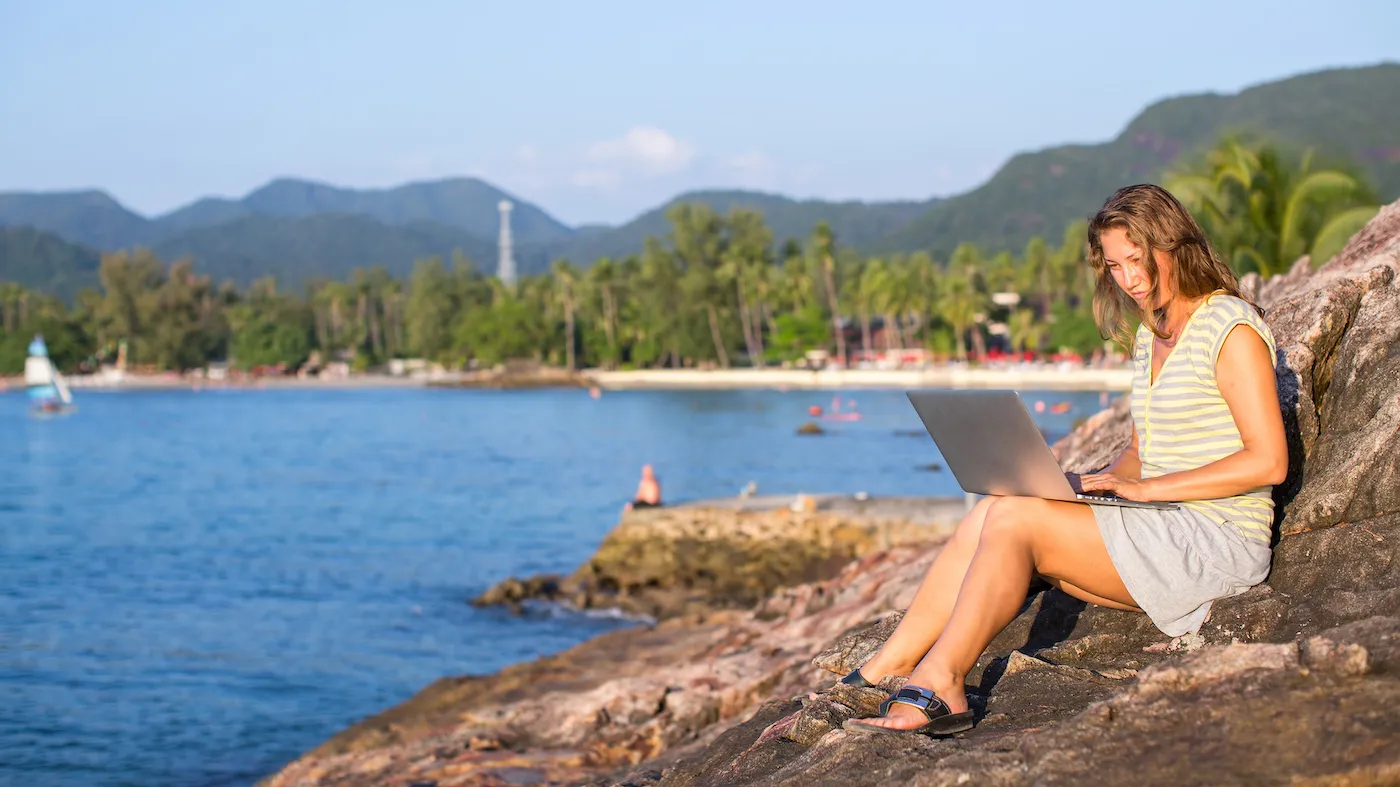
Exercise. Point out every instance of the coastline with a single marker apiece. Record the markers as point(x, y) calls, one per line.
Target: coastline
point(1017, 378)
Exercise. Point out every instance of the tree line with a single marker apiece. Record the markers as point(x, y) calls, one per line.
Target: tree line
point(716, 290)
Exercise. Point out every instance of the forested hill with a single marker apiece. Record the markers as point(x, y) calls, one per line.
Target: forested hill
point(1351, 115)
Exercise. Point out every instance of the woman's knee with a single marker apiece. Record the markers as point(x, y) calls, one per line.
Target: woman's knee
point(1008, 517)
point(969, 531)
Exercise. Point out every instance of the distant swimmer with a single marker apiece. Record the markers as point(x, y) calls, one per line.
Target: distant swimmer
point(595, 392)
point(648, 491)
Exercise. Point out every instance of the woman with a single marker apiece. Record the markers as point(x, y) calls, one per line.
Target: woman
point(1207, 432)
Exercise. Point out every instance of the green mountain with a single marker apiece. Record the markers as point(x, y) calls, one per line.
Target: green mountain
point(43, 261)
point(465, 204)
point(1351, 114)
point(861, 224)
point(324, 245)
point(90, 218)
point(206, 212)
point(468, 204)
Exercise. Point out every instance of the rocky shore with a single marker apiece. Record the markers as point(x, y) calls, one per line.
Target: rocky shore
point(1296, 681)
point(665, 562)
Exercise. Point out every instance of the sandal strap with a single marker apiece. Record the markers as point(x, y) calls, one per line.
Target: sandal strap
point(917, 697)
point(857, 680)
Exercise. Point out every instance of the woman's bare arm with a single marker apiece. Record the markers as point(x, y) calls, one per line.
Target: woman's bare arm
point(1128, 464)
point(1244, 373)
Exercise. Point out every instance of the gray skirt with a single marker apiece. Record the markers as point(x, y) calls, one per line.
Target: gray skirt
point(1176, 562)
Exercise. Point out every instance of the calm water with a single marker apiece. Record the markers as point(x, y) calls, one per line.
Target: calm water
point(197, 587)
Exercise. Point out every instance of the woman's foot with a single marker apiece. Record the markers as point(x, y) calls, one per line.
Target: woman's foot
point(945, 687)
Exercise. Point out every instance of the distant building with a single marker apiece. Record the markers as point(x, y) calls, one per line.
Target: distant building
point(505, 267)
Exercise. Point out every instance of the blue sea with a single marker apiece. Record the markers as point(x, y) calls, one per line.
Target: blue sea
point(197, 587)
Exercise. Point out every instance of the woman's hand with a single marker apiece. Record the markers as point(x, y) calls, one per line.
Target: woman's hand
point(1124, 487)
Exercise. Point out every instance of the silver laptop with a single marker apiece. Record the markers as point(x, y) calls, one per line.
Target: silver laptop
point(993, 447)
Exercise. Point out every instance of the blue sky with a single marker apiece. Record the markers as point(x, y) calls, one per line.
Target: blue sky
point(599, 110)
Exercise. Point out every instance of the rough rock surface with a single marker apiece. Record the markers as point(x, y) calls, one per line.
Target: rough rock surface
point(619, 699)
point(664, 562)
point(1296, 681)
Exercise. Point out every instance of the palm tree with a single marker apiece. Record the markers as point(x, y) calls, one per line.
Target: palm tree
point(924, 284)
point(1037, 272)
point(602, 279)
point(865, 292)
point(823, 244)
point(698, 241)
point(971, 297)
point(11, 295)
point(1263, 212)
point(1028, 332)
point(745, 258)
point(958, 305)
point(566, 283)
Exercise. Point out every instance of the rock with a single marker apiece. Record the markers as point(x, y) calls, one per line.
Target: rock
point(1359, 648)
point(670, 561)
point(857, 647)
point(512, 591)
point(810, 428)
point(1098, 441)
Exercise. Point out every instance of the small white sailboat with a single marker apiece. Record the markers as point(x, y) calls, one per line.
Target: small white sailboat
point(48, 391)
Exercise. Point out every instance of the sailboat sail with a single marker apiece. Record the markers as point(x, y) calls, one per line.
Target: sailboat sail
point(46, 386)
point(62, 386)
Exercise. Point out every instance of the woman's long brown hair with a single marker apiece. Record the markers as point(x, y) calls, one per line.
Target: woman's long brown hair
point(1153, 220)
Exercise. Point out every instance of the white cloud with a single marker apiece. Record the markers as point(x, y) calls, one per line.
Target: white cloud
point(646, 150)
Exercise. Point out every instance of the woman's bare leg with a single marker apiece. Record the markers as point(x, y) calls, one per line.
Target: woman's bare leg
point(933, 603)
point(1084, 595)
point(1020, 537)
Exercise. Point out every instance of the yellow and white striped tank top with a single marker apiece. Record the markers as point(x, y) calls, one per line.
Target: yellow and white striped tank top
point(1183, 421)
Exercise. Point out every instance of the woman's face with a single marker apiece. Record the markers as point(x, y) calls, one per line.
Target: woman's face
point(1129, 270)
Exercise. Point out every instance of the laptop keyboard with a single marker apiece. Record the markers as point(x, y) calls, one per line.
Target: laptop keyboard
point(1085, 496)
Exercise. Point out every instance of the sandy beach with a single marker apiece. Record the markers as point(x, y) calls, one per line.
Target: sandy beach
point(1019, 378)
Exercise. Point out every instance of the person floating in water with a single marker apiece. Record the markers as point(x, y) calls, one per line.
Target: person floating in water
point(648, 491)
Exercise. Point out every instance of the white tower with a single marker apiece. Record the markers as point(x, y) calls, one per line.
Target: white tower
point(505, 268)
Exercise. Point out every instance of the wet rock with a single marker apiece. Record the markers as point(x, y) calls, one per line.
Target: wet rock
point(512, 591)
